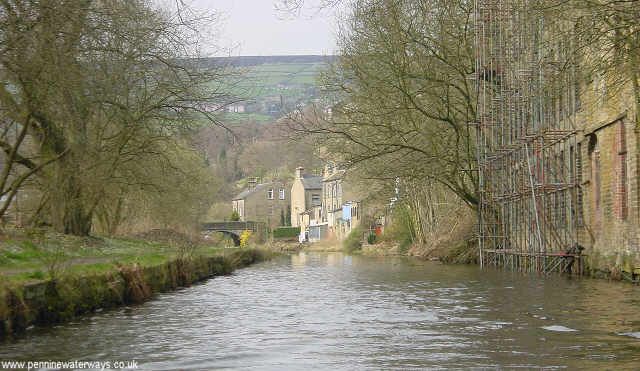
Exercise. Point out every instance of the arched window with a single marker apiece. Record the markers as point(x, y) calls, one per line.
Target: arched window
point(621, 191)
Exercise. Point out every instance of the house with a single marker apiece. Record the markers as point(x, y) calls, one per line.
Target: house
point(321, 207)
point(340, 210)
point(306, 194)
point(313, 225)
point(332, 194)
point(264, 202)
point(236, 108)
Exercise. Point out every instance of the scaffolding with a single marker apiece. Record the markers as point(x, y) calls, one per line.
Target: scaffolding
point(528, 157)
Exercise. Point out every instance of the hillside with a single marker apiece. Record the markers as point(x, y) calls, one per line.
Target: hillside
point(269, 88)
point(272, 86)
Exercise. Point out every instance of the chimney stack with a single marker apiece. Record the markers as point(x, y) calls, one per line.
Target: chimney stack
point(299, 171)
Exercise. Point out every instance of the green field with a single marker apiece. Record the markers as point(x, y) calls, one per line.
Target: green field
point(265, 86)
point(288, 79)
point(285, 73)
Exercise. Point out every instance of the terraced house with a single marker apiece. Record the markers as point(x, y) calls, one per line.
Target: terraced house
point(267, 202)
point(340, 209)
point(306, 199)
point(321, 206)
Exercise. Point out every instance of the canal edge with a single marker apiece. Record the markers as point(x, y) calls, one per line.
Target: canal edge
point(54, 301)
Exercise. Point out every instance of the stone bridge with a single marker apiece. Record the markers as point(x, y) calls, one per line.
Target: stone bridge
point(233, 229)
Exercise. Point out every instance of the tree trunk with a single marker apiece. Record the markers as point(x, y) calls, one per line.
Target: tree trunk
point(75, 220)
point(68, 204)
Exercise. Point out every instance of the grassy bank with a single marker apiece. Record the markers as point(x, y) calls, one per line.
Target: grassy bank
point(54, 279)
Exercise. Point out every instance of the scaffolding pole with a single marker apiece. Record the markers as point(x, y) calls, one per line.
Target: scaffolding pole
point(527, 152)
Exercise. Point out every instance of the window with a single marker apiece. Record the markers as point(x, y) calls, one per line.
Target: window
point(579, 195)
point(621, 191)
point(561, 196)
point(281, 194)
point(594, 154)
point(270, 194)
point(315, 199)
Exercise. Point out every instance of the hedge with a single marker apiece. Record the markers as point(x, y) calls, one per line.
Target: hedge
point(282, 232)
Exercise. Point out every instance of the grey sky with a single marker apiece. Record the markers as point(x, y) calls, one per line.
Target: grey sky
point(255, 28)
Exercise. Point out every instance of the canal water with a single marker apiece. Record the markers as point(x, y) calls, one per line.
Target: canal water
point(335, 311)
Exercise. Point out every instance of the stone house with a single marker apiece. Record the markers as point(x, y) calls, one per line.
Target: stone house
point(321, 207)
point(264, 202)
point(332, 195)
point(340, 210)
point(306, 193)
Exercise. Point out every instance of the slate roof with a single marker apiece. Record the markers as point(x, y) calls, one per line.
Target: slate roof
point(242, 195)
point(311, 182)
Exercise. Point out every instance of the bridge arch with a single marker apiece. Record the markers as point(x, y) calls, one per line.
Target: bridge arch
point(234, 236)
point(233, 229)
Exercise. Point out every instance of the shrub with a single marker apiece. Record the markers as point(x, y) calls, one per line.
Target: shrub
point(185, 249)
point(38, 275)
point(400, 230)
point(353, 241)
point(371, 238)
point(235, 216)
point(54, 258)
point(244, 238)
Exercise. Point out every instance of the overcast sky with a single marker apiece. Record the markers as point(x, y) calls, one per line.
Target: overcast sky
point(254, 27)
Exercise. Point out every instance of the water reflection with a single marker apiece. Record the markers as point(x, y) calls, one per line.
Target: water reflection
point(335, 311)
point(299, 260)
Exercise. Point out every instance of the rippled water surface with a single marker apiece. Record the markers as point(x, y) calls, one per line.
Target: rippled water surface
point(334, 311)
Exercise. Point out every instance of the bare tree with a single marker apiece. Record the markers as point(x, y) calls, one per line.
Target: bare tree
point(399, 99)
point(297, 7)
point(101, 87)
